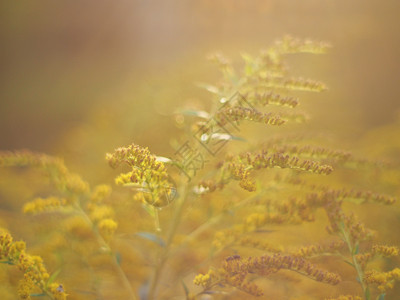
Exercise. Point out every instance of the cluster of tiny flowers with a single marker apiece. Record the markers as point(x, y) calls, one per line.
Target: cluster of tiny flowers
point(240, 166)
point(337, 218)
point(40, 205)
point(35, 273)
point(273, 98)
point(64, 180)
point(277, 262)
point(315, 250)
point(346, 297)
point(235, 269)
point(315, 152)
point(290, 44)
point(385, 251)
point(328, 194)
point(383, 280)
point(298, 84)
point(238, 113)
point(101, 214)
point(293, 211)
point(147, 173)
point(377, 250)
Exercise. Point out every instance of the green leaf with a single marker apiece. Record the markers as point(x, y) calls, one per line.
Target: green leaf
point(185, 288)
point(225, 137)
point(6, 262)
point(208, 87)
point(38, 295)
point(152, 237)
point(149, 209)
point(381, 297)
point(356, 249)
point(197, 113)
point(53, 277)
point(367, 294)
point(349, 263)
point(118, 257)
point(250, 64)
point(163, 159)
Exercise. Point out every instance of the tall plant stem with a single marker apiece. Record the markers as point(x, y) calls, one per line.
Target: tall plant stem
point(356, 265)
point(107, 248)
point(164, 254)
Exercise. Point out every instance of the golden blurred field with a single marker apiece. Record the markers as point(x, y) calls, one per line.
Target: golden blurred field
point(78, 80)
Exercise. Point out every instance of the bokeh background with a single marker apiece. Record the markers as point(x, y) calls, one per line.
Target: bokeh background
point(80, 78)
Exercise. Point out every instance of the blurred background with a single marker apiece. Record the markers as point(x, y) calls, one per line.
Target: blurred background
point(78, 79)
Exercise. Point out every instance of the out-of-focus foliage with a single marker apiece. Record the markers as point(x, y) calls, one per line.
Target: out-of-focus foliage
point(247, 202)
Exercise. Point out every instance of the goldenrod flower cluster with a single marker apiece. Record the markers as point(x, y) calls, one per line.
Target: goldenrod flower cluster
point(296, 84)
point(272, 98)
point(35, 274)
point(376, 251)
point(235, 269)
point(102, 215)
point(289, 44)
point(312, 151)
point(39, 205)
point(315, 250)
point(66, 182)
point(148, 174)
point(238, 113)
point(383, 280)
point(240, 166)
point(347, 297)
point(341, 223)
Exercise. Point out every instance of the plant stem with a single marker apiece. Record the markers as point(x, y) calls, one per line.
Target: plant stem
point(356, 265)
point(107, 248)
point(165, 252)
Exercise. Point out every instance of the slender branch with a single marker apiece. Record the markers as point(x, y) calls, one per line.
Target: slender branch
point(170, 236)
point(357, 266)
point(106, 246)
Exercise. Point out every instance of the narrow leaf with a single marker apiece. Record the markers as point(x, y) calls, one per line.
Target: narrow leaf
point(225, 136)
point(149, 209)
point(197, 113)
point(53, 277)
point(152, 237)
point(118, 258)
point(185, 288)
point(163, 159)
point(349, 263)
point(208, 87)
point(356, 249)
point(367, 294)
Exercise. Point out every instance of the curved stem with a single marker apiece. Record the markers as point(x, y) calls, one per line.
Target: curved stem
point(165, 252)
point(357, 266)
point(107, 248)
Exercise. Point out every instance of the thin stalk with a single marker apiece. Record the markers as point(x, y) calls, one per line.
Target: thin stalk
point(157, 220)
point(164, 254)
point(357, 266)
point(107, 248)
